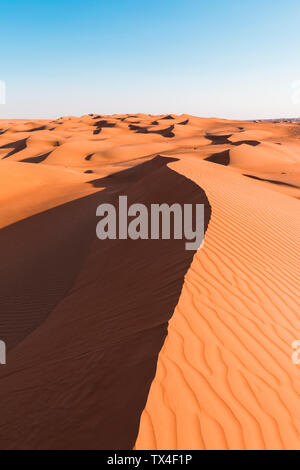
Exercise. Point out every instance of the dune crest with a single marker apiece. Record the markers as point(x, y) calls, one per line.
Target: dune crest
point(142, 344)
point(225, 378)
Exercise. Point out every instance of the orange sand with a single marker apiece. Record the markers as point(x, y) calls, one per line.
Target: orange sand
point(225, 378)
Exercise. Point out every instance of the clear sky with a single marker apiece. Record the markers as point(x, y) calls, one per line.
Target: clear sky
point(225, 58)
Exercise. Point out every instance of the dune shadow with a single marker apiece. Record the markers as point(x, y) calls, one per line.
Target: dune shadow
point(97, 131)
point(90, 364)
point(101, 124)
point(41, 128)
point(145, 130)
point(218, 139)
point(253, 143)
point(38, 159)
point(224, 139)
point(282, 183)
point(183, 123)
point(222, 158)
point(123, 178)
point(17, 146)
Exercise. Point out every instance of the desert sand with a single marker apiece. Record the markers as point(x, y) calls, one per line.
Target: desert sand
point(123, 344)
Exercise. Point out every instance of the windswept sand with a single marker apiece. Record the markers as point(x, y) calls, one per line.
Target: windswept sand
point(92, 361)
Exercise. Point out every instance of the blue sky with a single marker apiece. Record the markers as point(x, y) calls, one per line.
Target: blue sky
point(226, 58)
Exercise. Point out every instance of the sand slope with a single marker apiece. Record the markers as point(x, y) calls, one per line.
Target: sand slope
point(225, 378)
point(89, 363)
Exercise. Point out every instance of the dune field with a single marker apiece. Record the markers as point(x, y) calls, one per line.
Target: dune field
point(141, 344)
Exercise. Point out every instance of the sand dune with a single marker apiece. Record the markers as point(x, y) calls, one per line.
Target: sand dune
point(225, 379)
point(141, 344)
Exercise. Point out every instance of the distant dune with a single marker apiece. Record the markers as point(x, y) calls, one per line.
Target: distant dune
point(123, 344)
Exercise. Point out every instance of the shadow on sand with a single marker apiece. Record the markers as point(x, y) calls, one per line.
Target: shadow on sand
point(85, 319)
